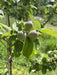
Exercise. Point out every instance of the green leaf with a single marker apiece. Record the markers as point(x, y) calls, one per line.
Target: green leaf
point(14, 26)
point(2, 29)
point(2, 14)
point(18, 45)
point(5, 71)
point(5, 27)
point(11, 40)
point(6, 34)
point(28, 48)
point(44, 69)
point(1, 33)
point(32, 6)
point(36, 25)
point(45, 10)
point(49, 32)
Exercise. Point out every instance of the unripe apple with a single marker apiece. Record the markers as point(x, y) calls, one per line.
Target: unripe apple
point(21, 36)
point(33, 34)
point(28, 25)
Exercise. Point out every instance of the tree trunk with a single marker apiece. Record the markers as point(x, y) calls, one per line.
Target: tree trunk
point(7, 19)
point(9, 59)
point(9, 49)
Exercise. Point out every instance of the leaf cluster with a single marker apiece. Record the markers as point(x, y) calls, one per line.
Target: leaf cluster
point(46, 63)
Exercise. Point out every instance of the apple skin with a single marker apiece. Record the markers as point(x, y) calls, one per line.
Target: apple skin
point(33, 34)
point(21, 36)
point(28, 25)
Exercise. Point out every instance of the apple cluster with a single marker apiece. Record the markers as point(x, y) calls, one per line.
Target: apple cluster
point(32, 34)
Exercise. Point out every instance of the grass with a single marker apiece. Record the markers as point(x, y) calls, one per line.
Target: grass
point(20, 70)
point(51, 27)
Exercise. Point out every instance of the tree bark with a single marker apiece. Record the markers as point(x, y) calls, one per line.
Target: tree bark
point(9, 59)
point(7, 19)
point(9, 49)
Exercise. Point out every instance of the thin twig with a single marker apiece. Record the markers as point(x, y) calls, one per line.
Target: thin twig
point(50, 16)
point(18, 63)
point(13, 62)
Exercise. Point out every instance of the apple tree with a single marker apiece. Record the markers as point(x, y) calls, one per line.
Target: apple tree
point(23, 36)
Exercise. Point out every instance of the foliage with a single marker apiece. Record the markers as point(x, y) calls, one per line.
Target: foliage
point(42, 61)
point(18, 45)
point(49, 32)
point(41, 6)
point(45, 62)
point(9, 6)
point(53, 21)
point(28, 49)
point(3, 51)
point(12, 37)
point(47, 43)
point(37, 25)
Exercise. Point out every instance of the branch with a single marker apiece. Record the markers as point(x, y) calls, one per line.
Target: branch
point(3, 44)
point(18, 63)
point(50, 16)
point(4, 39)
point(13, 62)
